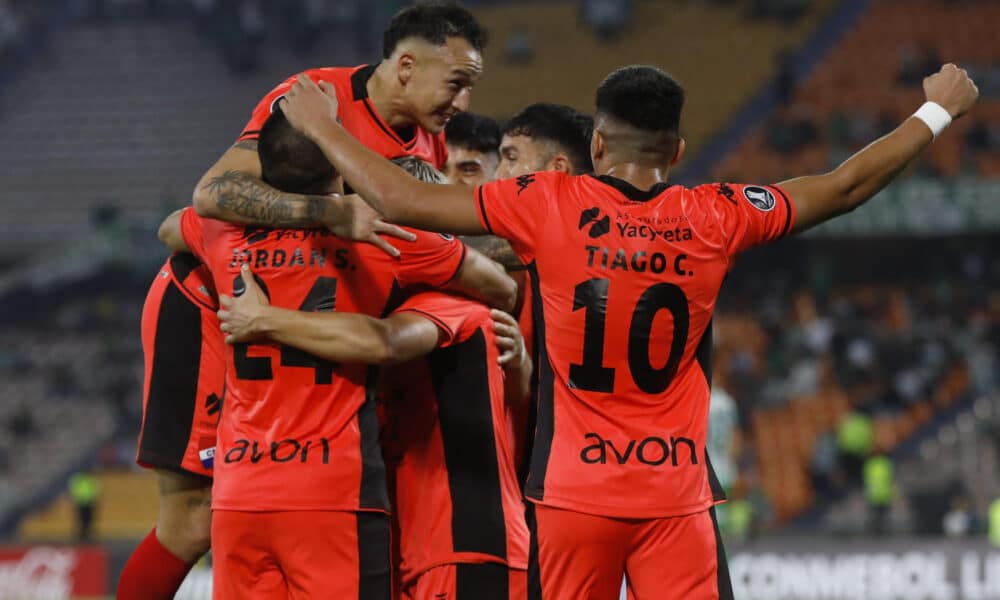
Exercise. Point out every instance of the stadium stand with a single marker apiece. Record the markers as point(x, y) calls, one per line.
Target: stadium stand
point(139, 138)
point(568, 61)
point(126, 507)
point(954, 466)
point(904, 344)
point(871, 81)
point(112, 132)
point(51, 414)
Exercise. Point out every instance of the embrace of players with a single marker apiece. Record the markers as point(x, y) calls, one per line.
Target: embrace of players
point(402, 352)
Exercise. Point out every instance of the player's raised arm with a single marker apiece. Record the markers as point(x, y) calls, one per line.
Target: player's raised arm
point(232, 190)
point(336, 336)
point(950, 94)
point(393, 193)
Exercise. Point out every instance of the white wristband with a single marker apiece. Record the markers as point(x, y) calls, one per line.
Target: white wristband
point(934, 116)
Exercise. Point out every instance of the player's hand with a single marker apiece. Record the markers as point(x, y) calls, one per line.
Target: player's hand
point(239, 316)
point(513, 354)
point(952, 88)
point(310, 107)
point(362, 223)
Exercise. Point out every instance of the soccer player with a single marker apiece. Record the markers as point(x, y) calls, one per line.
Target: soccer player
point(299, 500)
point(432, 56)
point(473, 143)
point(627, 268)
point(542, 137)
point(457, 500)
point(546, 137)
point(184, 374)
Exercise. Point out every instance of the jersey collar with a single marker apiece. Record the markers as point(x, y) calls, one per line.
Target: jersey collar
point(630, 191)
point(359, 90)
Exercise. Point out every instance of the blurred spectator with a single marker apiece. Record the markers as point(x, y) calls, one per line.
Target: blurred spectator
point(609, 18)
point(878, 478)
point(785, 79)
point(916, 64)
point(986, 76)
point(994, 523)
point(518, 48)
point(22, 423)
point(827, 479)
point(791, 130)
point(983, 137)
point(84, 490)
point(855, 438)
point(722, 432)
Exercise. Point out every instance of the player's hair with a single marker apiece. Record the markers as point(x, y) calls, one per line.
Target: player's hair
point(644, 97)
point(566, 127)
point(420, 169)
point(473, 132)
point(434, 22)
point(291, 162)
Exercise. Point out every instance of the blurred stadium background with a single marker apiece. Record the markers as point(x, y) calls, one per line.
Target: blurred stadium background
point(856, 417)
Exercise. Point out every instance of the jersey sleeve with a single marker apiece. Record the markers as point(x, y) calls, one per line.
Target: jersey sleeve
point(433, 259)
point(750, 215)
point(516, 208)
point(193, 232)
point(251, 131)
point(454, 316)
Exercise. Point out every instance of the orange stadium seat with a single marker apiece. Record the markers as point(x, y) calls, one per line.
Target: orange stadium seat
point(861, 73)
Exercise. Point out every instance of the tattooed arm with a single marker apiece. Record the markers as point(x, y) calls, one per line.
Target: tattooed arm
point(233, 191)
point(497, 249)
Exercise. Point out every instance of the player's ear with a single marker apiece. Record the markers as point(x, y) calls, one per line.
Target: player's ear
point(560, 163)
point(598, 146)
point(681, 147)
point(404, 67)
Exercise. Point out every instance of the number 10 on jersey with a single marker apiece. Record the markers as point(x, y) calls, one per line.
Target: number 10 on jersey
point(591, 374)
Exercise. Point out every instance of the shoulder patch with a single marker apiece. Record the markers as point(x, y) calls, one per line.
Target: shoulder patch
point(762, 199)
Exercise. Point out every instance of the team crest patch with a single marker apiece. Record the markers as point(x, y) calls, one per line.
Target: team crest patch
point(761, 198)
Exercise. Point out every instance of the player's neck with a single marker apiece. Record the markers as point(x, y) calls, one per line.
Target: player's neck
point(385, 98)
point(641, 177)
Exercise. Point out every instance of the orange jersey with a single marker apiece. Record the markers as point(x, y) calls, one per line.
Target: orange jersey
point(358, 116)
point(457, 495)
point(624, 285)
point(299, 432)
point(184, 374)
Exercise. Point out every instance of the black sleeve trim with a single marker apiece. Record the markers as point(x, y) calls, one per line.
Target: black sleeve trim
point(788, 210)
point(482, 210)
